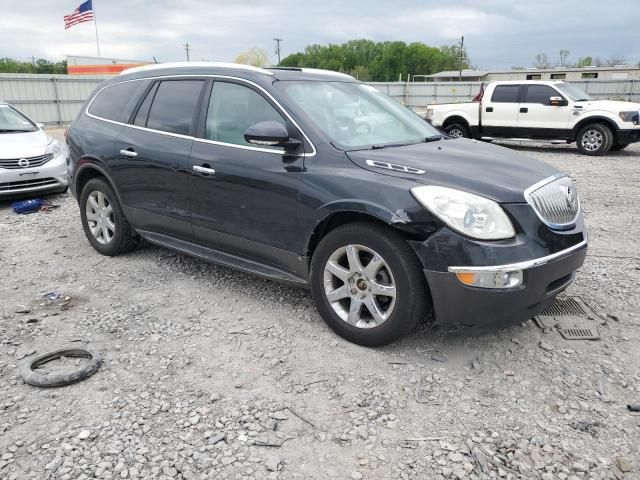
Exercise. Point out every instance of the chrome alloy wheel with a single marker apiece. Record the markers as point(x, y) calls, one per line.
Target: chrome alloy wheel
point(359, 286)
point(100, 217)
point(455, 133)
point(592, 140)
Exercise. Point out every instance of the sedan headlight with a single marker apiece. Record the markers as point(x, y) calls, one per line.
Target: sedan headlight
point(469, 214)
point(633, 116)
point(54, 147)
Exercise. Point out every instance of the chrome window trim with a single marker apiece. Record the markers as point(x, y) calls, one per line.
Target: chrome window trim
point(523, 265)
point(542, 183)
point(204, 140)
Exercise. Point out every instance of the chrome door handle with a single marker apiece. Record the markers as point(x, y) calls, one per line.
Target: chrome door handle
point(205, 170)
point(128, 153)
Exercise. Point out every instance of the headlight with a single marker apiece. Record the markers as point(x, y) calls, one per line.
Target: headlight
point(470, 214)
point(54, 147)
point(630, 116)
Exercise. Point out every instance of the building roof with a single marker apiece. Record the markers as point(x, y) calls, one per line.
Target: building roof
point(456, 73)
point(482, 73)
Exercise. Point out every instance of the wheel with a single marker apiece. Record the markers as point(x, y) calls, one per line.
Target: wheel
point(594, 139)
point(619, 146)
point(368, 284)
point(457, 130)
point(103, 222)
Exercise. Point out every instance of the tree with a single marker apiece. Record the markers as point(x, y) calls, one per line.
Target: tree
point(542, 61)
point(254, 56)
point(41, 65)
point(564, 55)
point(584, 62)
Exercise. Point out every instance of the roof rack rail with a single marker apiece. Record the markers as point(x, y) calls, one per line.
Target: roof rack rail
point(159, 66)
point(294, 69)
point(319, 71)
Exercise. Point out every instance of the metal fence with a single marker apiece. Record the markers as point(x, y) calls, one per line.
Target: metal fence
point(57, 99)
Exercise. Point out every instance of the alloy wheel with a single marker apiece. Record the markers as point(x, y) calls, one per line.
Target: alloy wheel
point(455, 133)
point(359, 285)
point(592, 140)
point(100, 218)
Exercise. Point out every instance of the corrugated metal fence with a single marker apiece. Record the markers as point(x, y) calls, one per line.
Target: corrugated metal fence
point(57, 99)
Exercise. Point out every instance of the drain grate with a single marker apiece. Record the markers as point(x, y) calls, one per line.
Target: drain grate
point(574, 319)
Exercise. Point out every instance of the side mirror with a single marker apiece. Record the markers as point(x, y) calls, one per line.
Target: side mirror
point(268, 133)
point(557, 102)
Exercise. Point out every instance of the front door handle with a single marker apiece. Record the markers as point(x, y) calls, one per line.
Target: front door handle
point(524, 110)
point(488, 109)
point(129, 153)
point(205, 170)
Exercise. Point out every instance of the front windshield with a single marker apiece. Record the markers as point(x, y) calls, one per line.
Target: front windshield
point(574, 93)
point(13, 121)
point(357, 116)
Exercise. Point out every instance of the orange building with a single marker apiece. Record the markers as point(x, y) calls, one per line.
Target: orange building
point(99, 65)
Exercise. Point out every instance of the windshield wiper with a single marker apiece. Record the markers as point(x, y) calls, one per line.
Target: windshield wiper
point(434, 138)
point(12, 130)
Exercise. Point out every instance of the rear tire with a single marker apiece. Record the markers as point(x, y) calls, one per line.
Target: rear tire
point(457, 130)
point(104, 224)
point(594, 139)
point(618, 147)
point(368, 284)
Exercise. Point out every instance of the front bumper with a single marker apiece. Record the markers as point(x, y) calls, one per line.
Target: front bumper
point(50, 176)
point(628, 136)
point(543, 278)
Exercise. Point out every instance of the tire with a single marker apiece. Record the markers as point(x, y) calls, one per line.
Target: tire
point(594, 139)
point(457, 130)
point(619, 146)
point(396, 270)
point(31, 377)
point(116, 235)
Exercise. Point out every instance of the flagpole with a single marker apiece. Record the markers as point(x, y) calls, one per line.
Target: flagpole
point(95, 24)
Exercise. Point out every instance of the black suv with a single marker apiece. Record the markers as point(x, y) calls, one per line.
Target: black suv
point(312, 178)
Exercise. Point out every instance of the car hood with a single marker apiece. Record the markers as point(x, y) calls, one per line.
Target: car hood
point(612, 106)
point(488, 170)
point(24, 144)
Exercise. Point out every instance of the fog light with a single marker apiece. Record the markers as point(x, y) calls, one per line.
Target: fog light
point(491, 279)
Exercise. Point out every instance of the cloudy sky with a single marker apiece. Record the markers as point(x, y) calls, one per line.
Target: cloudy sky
point(498, 33)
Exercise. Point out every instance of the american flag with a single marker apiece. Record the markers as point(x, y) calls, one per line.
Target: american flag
point(84, 13)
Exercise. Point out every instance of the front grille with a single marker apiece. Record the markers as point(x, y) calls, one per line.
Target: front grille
point(14, 163)
point(555, 201)
point(38, 182)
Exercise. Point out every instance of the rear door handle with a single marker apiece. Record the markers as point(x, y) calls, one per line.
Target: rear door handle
point(205, 170)
point(488, 109)
point(129, 153)
point(524, 110)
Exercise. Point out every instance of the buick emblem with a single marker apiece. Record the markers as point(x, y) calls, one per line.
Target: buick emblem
point(23, 162)
point(571, 197)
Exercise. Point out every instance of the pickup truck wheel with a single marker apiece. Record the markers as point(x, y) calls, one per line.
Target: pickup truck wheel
point(595, 139)
point(368, 285)
point(619, 146)
point(457, 130)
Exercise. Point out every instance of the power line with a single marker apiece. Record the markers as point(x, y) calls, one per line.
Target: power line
point(187, 47)
point(278, 40)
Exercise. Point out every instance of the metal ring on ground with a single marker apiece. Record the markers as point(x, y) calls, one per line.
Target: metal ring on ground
point(59, 380)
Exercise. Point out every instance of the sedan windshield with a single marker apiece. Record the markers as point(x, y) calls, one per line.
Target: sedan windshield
point(574, 93)
point(13, 121)
point(357, 116)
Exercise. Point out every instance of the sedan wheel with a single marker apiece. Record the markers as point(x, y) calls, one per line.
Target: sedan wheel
point(359, 286)
point(100, 217)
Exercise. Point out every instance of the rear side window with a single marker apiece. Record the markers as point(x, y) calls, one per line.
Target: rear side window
point(114, 102)
point(506, 94)
point(174, 105)
point(540, 94)
point(232, 109)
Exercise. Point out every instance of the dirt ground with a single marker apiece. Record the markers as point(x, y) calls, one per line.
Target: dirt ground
point(211, 373)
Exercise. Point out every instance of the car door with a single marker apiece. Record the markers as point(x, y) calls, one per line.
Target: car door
point(538, 118)
point(500, 112)
point(245, 198)
point(153, 166)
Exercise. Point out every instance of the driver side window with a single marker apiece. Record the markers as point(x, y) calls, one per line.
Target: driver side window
point(232, 109)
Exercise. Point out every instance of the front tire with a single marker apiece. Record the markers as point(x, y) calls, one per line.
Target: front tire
point(594, 139)
point(457, 130)
point(103, 222)
point(368, 284)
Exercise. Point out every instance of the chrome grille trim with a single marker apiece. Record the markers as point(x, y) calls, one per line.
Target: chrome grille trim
point(38, 182)
point(13, 163)
point(395, 167)
point(549, 199)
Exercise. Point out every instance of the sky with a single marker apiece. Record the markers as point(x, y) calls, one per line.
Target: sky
point(498, 34)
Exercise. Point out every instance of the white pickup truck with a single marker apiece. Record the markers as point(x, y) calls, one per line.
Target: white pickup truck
point(541, 110)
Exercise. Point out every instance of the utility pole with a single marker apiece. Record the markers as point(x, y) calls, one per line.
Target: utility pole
point(278, 40)
point(460, 57)
point(187, 47)
point(33, 61)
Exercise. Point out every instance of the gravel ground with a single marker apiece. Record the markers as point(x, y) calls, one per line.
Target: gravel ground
point(211, 373)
